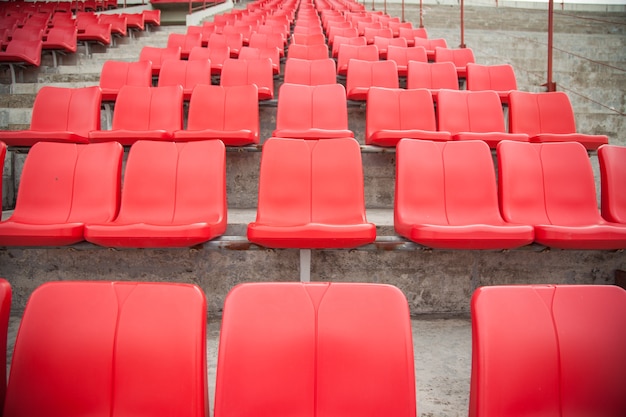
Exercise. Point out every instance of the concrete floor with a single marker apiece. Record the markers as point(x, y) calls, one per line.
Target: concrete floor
point(442, 351)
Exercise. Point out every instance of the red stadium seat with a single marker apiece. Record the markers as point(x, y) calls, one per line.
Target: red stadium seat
point(61, 40)
point(402, 55)
point(434, 77)
point(362, 75)
point(474, 115)
point(110, 348)
point(21, 53)
point(310, 72)
point(185, 42)
point(256, 53)
point(144, 113)
point(216, 56)
point(447, 198)
point(62, 187)
point(174, 195)
point(499, 78)
point(60, 115)
point(395, 113)
point(315, 349)
point(116, 74)
point(348, 52)
point(548, 350)
point(459, 57)
point(551, 186)
point(157, 56)
point(5, 312)
point(430, 45)
point(312, 112)
point(317, 51)
point(383, 43)
point(246, 72)
point(234, 42)
point(410, 33)
point(548, 117)
point(187, 74)
point(613, 178)
point(344, 40)
point(227, 113)
point(311, 196)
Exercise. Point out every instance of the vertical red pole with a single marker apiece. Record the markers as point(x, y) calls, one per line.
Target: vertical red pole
point(373, 7)
point(421, 13)
point(403, 11)
point(550, 85)
point(462, 25)
point(385, 7)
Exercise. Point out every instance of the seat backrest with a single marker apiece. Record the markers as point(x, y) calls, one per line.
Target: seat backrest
point(311, 181)
point(403, 54)
point(149, 108)
point(347, 40)
point(63, 109)
point(224, 108)
point(552, 331)
point(491, 77)
point(469, 111)
point(243, 72)
point(535, 113)
point(116, 74)
point(314, 350)
point(310, 72)
point(430, 44)
point(460, 57)
point(613, 177)
point(5, 313)
point(167, 183)
point(314, 51)
point(399, 109)
point(187, 74)
point(365, 74)
point(445, 183)
point(66, 182)
point(363, 53)
point(185, 41)
point(325, 106)
point(61, 35)
point(110, 348)
point(28, 51)
point(412, 33)
point(549, 183)
point(435, 76)
point(158, 55)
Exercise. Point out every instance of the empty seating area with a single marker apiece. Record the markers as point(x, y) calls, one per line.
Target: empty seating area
point(163, 209)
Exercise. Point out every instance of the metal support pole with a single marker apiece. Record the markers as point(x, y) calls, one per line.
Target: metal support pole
point(462, 25)
point(373, 5)
point(403, 11)
point(305, 265)
point(385, 7)
point(550, 85)
point(421, 13)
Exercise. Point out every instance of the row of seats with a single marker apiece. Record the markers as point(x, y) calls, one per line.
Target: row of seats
point(231, 113)
point(314, 349)
point(311, 195)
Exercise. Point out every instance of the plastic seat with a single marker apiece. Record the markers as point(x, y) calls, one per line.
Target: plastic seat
point(5, 312)
point(317, 357)
point(185, 42)
point(317, 51)
point(96, 32)
point(430, 45)
point(310, 72)
point(474, 115)
point(311, 196)
point(410, 33)
point(245, 72)
point(59, 115)
point(3, 153)
point(250, 53)
point(62, 40)
point(362, 75)
point(268, 40)
point(116, 74)
point(22, 52)
point(383, 43)
point(346, 32)
point(552, 331)
point(157, 56)
point(343, 40)
point(401, 55)
point(118, 23)
point(204, 31)
point(446, 197)
point(499, 78)
point(393, 114)
point(234, 42)
point(187, 74)
point(308, 39)
point(144, 113)
point(135, 21)
point(151, 17)
point(371, 32)
point(348, 52)
point(174, 195)
point(230, 114)
point(612, 179)
point(216, 57)
point(62, 187)
point(551, 186)
point(395, 27)
point(548, 117)
point(312, 112)
point(434, 77)
point(364, 24)
point(245, 31)
point(110, 348)
point(459, 57)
